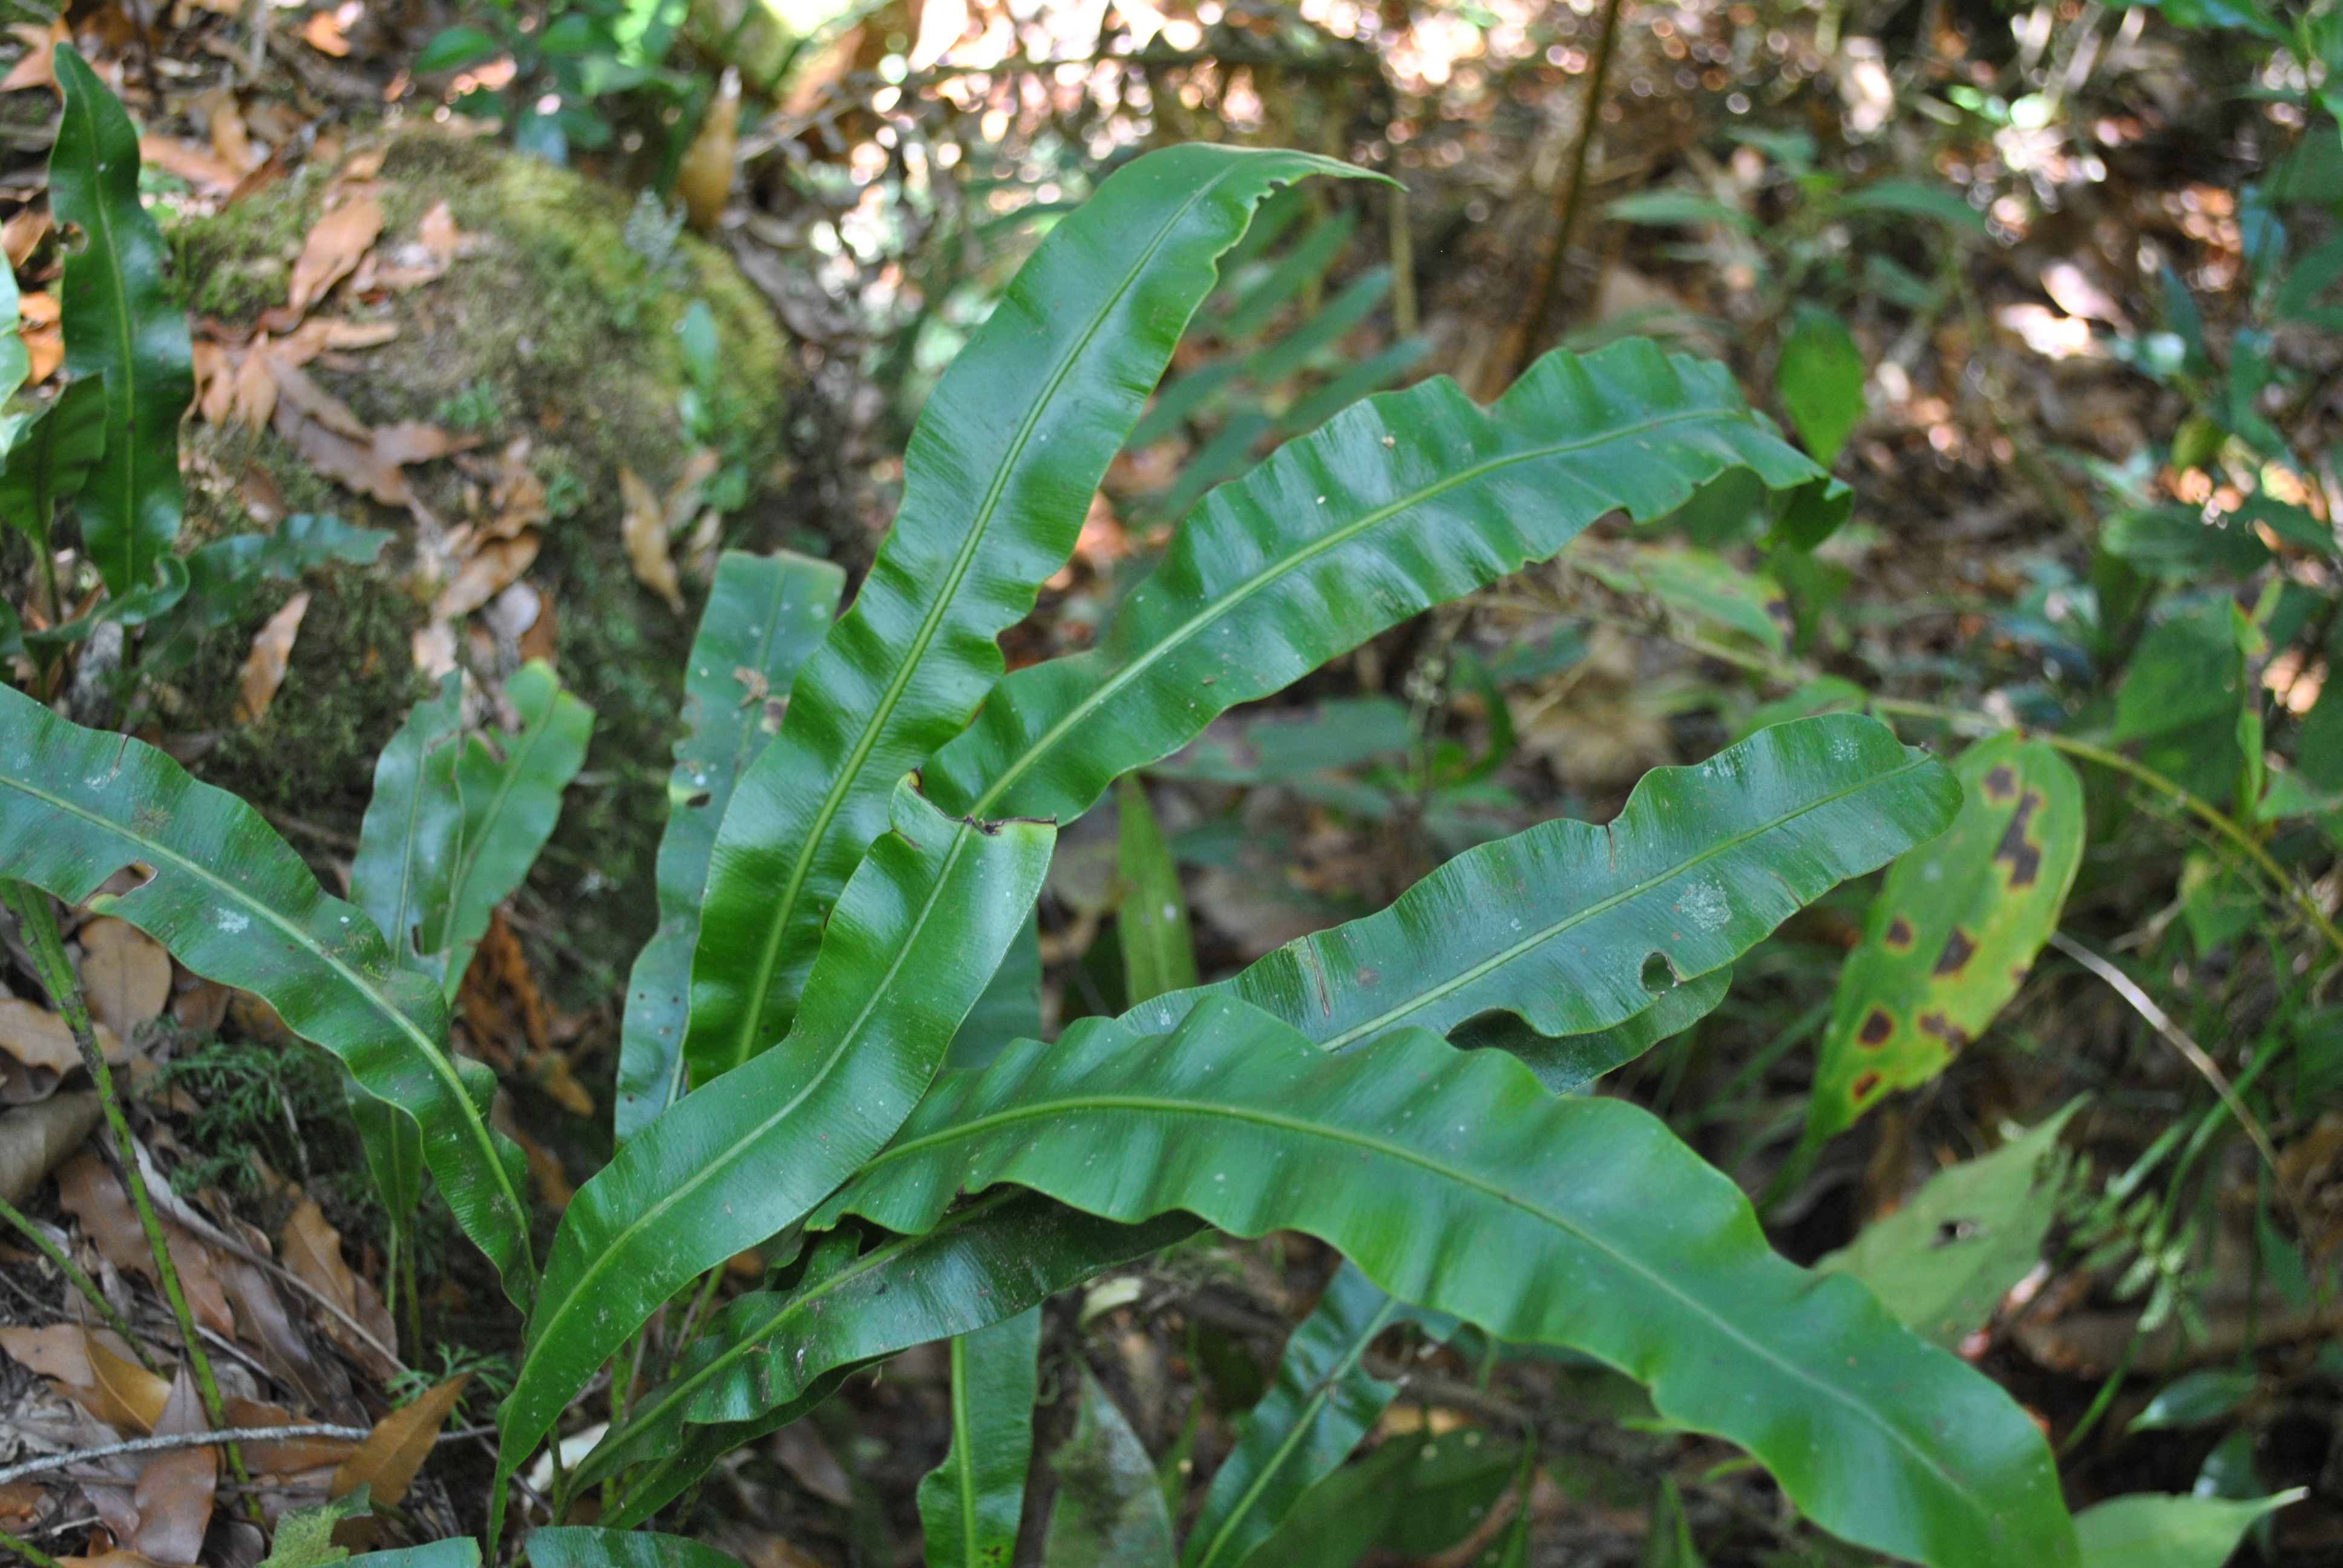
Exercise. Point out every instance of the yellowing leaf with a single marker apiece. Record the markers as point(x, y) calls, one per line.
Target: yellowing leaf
point(704, 179)
point(1955, 929)
point(264, 667)
point(644, 532)
point(388, 1460)
point(126, 973)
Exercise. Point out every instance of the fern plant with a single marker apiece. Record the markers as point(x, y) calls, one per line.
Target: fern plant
point(823, 1052)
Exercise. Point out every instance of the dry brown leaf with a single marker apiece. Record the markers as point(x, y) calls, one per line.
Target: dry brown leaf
point(331, 252)
point(215, 380)
point(126, 973)
point(322, 31)
point(442, 239)
point(22, 233)
point(195, 165)
point(45, 348)
point(127, 1394)
point(293, 1455)
point(255, 401)
point(496, 567)
point(174, 1495)
point(36, 1048)
point(320, 333)
point(37, 68)
point(350, 464)
point(199, 1005)
point(704, 179)
point(312, 1249)
point(643, 531)
point(59, 1350)
point(40, 308)
point(409, 442)
point(117, 1558)
point(35, 1138)
point(91, 1193)
point(264, 667)
point(802, 1451)
point(294, 387)
point(683, 496)
point(285, 1347)
point(395, 1450)
point(20, 1500)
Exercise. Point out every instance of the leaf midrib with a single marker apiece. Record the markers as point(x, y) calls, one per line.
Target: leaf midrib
point(509, 777)
point(1215, 608)
point(712, 1166)
point(979, 530)
point(1273, 1122)
point(474, 1131)
point(1418, 1001)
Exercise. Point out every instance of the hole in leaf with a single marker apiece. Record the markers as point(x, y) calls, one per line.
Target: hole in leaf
point(1657, 975)
point(696, 802)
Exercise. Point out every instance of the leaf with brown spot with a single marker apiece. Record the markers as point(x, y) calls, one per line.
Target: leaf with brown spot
point(126, 972)
point(264, 667)
point(388, 1459)
point(1954, 930)
point(174, 1496)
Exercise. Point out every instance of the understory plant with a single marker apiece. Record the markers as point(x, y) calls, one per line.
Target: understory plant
point(832, 1047)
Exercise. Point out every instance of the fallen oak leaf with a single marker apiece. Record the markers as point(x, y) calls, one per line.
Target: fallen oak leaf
point(126, 972)
point(264, 667)
point(386, 1462)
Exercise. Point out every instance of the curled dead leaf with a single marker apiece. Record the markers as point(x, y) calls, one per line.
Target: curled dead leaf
point(392, 1454)
point(35, 1139)
point(22, 233)
point(643, 531)
point(264, 667)
point(330, 253)
point(496, 566)
point(126, 973)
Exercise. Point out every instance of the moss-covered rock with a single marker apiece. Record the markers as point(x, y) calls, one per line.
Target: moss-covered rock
point(555, 325)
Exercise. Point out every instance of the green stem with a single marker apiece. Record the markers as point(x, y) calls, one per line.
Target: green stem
point(27, 1551)
point(38, 924)
point(80, 1281)
point(2107, 1396)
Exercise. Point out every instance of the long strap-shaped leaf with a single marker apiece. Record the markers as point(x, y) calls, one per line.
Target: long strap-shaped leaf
point(970, 1505)
point(587, 1546)
point(1454, 1179)
point(1556, 923)
point(1399, 503)
point(232, 902)
point(511, 803)
point(121, 323)
point(917, 933)
point(997, 480)
point(1322, 1403)
point(764, 615)
point(775, 1349)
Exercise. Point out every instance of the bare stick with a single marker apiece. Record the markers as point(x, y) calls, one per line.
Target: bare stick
point(38, 924)
point(1548, 290)
point(175, 1440)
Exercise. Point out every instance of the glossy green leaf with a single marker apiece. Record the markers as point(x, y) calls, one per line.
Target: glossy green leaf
point(1944, 1261)
point(1571, 1061)
point(1557, 924)
point(1152, 922)
point(1010, 1008)
point(2150, 1529)
point(918, 930)
point(52, 456)
point(511, 792)
point(1819, 378)
point(1414, 1496)
point(2174, 543)
point(1322, 1403)
point(970, 1504)
point(121, 323)
point(16, 360)
point(1912, 199)
point(999, 473)
point(455, 1552)
point(1399, 503)
point(1456, 1182)
point(1698, 584)
point(987, 1261)
point(1954, 932)
point(2195, 1399)
point(764, 615)
point(584, 1546)
point(233, 902)
point(414, 826)
point(2181, 695)
point(1108, 1512)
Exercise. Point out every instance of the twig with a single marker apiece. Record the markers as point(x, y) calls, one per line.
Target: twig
point(37, 922)
point(27, 1551)
point(1550, 268)
point(209, 1438)
point(2158, 1019)
point(80, 1281)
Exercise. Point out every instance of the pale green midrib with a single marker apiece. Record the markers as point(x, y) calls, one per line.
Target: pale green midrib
point(1317, 1402)
point(1091, 1104)
point(1215, 608)
point(842, 782)
point(714, 1166)
point(475, 1130)
point(682, 1389)
point(1421, 1000)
